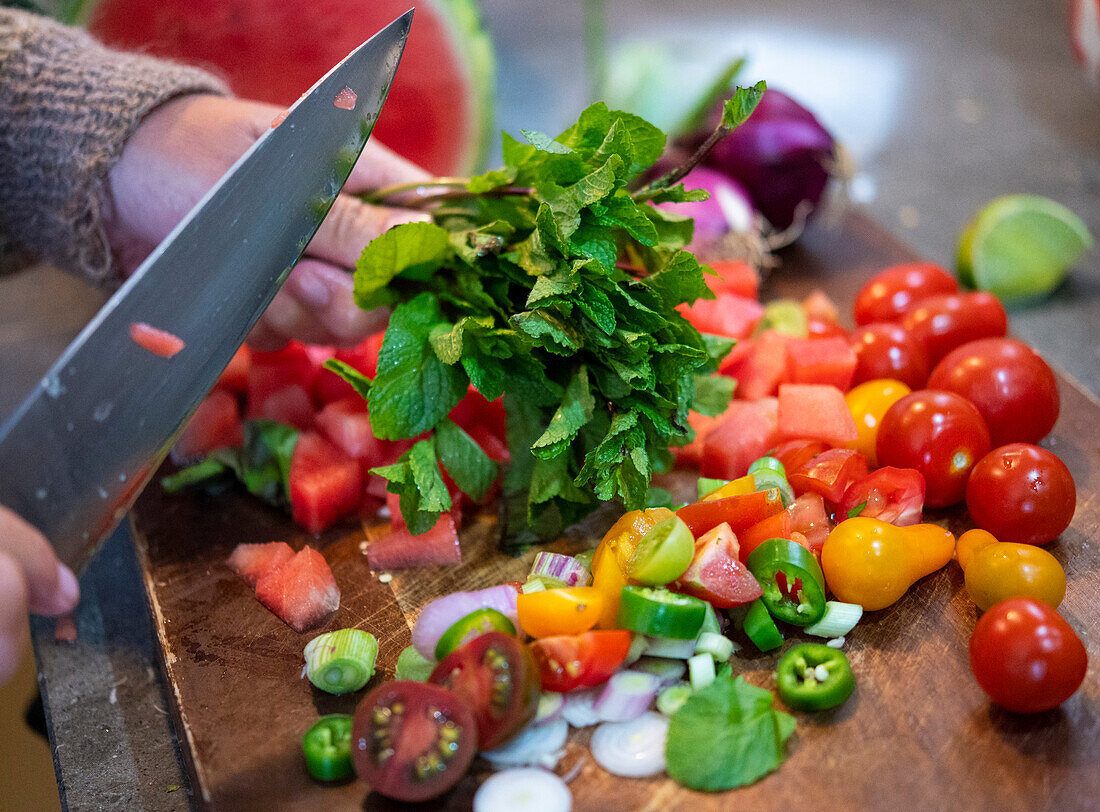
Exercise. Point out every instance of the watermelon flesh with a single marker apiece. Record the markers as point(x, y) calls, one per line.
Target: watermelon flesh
point(402, 550)
point(301, 591)
point(325, 483)
point(252, 561)
point(216, 423)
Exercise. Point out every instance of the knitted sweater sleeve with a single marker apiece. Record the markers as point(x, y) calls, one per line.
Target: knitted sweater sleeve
point(67, 106)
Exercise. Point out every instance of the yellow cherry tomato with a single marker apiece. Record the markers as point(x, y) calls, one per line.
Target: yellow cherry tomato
point(868, 402)
point(609, 561)
point(873, 563)
point(998, 570)
point(609, 580)
point(738, 487)
point(564, 610)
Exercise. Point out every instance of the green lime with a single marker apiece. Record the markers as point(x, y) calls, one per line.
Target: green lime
point(663, 553)
point(1020, 247)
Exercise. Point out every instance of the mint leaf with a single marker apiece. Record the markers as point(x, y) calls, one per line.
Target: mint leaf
point(575, 411)
point(680, 281)
point(713, 394)
point(741, 104)
point(726, 735)
point(858, 509)
point(411, 248)
point(416, 479)
point(472, 471)
point(359, 382)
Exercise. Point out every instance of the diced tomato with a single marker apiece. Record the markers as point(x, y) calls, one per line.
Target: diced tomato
point(894, 495)
point(302, 592)
point(804, 521)
point(727, 315)
point(815, 411)
point(159, 342)
point(764, 367)
point(580, 661)
point(474, 410)
point(402, 550)
point(270, 371)
point(773, 527)
point(347, 424)
point(830, 473)
point(290, 405)
point(821, 360)
point(734, 276)
point(822, 316)
point(253, 561)
point(234, 377)
point(216, 423)
point(795, 453)
point(744, 433)
point(325, 483)
point(716, 574)
point(739, 512)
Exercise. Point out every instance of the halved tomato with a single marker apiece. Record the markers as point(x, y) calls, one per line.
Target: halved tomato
point(716, 574)
point(497, 676)
point(584, 660)
point(795, 453)
point(829, 473)
point(412, 741)
point(894, 495)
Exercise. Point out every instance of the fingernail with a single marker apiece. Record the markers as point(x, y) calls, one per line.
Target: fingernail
point(68, 588)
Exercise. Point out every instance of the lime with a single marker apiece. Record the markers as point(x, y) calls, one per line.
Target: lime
point(663, 553)
point(1020, 247)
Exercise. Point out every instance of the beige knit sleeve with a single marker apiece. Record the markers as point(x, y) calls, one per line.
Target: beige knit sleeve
point(67, 106)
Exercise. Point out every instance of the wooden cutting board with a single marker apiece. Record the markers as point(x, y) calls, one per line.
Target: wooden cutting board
point(918, 732)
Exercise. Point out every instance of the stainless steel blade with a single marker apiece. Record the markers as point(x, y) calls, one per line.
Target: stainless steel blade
point(79, 449)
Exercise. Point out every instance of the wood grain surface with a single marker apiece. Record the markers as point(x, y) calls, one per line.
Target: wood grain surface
point(917, 733)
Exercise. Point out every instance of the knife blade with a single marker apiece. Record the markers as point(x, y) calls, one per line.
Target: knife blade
point(78, 450)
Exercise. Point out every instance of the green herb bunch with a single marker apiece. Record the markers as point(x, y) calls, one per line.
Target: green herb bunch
point(554, 283)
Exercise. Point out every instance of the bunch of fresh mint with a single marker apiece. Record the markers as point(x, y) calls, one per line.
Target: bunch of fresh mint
point(554, 283)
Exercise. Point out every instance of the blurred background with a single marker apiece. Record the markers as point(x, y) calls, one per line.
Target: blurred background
point(941, 106)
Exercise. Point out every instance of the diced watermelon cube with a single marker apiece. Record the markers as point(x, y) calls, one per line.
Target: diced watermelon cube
point(302, 592)
point(402, 550)
point(234, 377)
point(270, 371)
point(325, 483)
point(815, 411)
point(347, 424)
point(728, 315)
point(821, 360)
point(763, 367)
point(745, 432)
point(290, 405)
point(734, 276)
point(216, 423)
point(475, 410)
point(253, 561)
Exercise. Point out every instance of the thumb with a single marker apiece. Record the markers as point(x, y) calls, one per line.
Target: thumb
point(52, 589)
point(351, 224)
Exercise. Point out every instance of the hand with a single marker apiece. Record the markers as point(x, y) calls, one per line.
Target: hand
point(31, 579)
point(181, 149)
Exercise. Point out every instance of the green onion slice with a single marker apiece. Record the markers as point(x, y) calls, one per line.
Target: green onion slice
point(342, 661)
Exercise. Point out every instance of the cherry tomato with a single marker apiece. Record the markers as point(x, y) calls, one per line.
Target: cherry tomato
point(941, 435)
point(565, 610)
point(829, 473)
point(1026, 657)
point(995, 571)
point(794, 453)
point(888, 351)
point(580, 661)
point(498, 679)
point(716, 574)
point(822, 317)
point(412, 741)
point(868, 402)
point(805, 521)
point(739, 512)
point(894, 495)
point(941, 323)
point(888, 294)
point(1011, 385)
point(1021, 492)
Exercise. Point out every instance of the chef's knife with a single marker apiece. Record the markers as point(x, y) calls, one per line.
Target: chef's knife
point(77, 452)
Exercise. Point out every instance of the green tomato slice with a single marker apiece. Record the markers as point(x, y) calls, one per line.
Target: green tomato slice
point(661, 613)
point(472, 625)
point(812, 676)
point(663, 554)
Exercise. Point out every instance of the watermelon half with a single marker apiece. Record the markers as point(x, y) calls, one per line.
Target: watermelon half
point(439, 111)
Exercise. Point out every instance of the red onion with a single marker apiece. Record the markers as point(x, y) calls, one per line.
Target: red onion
point(627, 695)
point(729, 208)
point(440, 614)
point(564, 568)
point(782, 154)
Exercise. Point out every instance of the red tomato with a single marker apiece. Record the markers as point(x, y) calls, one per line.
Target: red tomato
point(499, 678)
point(894, 495)
point(739, 512)
point(822, 318)
point(401, 721)
point(889, 293)
point(888, 351)
point(1021, 493)
point(716, 574)
point(1011, 385)
point(795, 453)
point(805, 518)
point(580, 661)
point(1026, 657)
point(829, 473)
point(941, 435)
point(941, 323)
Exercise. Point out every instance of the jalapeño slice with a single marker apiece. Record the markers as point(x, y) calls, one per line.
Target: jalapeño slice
point(472, 625)
point(327, 748)
point(661, 613)
point(812, 676)
point(792, 581)
point(760, 628)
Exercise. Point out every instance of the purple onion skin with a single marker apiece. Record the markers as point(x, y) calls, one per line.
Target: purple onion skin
point(710, 220)
point(781, 154)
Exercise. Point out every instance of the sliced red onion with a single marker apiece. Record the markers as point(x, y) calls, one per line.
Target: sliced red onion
point(729, 208)
point(440, 614)
point(667, 672)
point(580, 707)
point(564, 568)
point(534, 744)
point(668, 647)
point(632, 749)
point(523, 789)
point(550, 707)
point(627, 695)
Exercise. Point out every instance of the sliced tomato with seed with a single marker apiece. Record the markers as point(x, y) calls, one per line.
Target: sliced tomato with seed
point(716, 574)
point(580, 661)
point(496, 674)
point(894, 495)
point(796, 453)
point(829, 473)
